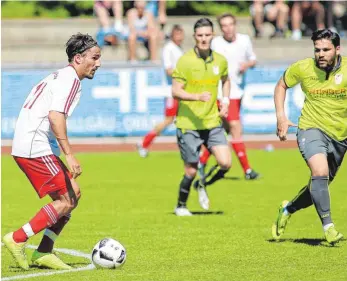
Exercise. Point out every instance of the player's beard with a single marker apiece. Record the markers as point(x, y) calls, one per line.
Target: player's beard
point(330, 64)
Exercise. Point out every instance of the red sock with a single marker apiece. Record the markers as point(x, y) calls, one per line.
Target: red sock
point(46, 217)
point(149, 139)
point(240, 150)
point(204, 156)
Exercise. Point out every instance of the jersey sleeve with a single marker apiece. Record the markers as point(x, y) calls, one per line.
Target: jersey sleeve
point(292, 75)
point(180, 72)
point(64, 91)
point(249, 50)
point(167, 58)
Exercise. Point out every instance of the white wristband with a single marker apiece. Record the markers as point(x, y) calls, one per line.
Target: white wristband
point(225, 100)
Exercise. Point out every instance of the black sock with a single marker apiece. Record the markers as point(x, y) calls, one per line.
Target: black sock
point(301, 201)
point(215, 175)
point(185, 185)
point(321, 198)
point(46, 245)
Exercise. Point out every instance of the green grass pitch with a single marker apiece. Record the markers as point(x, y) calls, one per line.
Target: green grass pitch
point(132, 200)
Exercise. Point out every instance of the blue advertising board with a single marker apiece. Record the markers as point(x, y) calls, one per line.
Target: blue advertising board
point(130, 101)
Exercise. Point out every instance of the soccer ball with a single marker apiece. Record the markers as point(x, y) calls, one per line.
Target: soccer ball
point(108, 253)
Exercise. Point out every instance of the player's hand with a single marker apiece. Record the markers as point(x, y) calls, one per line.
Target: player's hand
point(223, 111)
point(242, 68)
point(74, 165)
point(283, 124)
point(204, 96)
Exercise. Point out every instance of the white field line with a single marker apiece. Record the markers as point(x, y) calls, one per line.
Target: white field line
point(64, 251)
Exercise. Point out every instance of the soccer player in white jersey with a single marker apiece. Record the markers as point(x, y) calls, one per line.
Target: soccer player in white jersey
point(41, 125)
point(237, 49)
point(171, 53)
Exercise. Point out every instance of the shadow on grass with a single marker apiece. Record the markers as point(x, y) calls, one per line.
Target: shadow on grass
point(74, 265)
point(306, 241)
point(78, 264)
point(204, 213)
point(16, 269)
point(233, 178)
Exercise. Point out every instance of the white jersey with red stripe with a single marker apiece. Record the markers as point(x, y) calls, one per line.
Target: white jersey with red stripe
point(170, 56)
point(60, 91)
point(236, 52)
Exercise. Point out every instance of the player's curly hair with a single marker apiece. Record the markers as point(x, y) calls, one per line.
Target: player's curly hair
point(79, 43)
point(326, 34)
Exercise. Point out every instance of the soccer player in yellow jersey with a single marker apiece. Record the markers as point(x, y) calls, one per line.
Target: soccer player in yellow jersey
point(195, 84)
point(322, 133)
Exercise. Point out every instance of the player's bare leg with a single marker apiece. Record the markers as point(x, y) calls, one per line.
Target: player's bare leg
point(240, 149)
point(217, 172)
point(205, 154)
point(65, 203)
point(149, 138)
point(48, 216)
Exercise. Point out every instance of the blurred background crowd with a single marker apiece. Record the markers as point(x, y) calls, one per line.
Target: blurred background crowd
point(146, 24)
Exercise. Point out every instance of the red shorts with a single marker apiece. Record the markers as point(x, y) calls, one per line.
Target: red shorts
point(47, 174)
point(234, 109)
point(171, 107)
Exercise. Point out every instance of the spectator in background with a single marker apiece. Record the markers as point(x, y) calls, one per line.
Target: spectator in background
point(142, 28)
point(337, 16)
point(109, 31)
point(311, 13)
point(158, 10)
point(275, 12)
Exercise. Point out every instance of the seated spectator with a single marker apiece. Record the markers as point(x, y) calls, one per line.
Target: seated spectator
point(158, 10)
point(311, 13)
point(109, 32)
point(142, 28)
point(275, 12)
point(337, 16)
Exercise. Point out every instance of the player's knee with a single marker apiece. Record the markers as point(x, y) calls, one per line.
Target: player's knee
point(191, 172)
point(225, 164)
point(169, 120)
point(320, 172)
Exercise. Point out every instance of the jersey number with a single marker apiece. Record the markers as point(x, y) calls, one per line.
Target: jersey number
point(34, 95)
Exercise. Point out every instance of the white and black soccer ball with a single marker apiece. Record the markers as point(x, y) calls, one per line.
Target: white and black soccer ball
point(108, 253)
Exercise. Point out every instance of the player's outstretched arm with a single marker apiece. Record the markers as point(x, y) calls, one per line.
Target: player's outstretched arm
point(282, 121)
point(57, 121)
point(178, 92)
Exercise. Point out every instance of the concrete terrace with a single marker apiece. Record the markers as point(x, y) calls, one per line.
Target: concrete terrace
point(42, 41)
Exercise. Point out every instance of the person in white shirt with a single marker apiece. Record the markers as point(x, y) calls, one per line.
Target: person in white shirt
point(171, 53)
point(41, 125)
point(237, 49)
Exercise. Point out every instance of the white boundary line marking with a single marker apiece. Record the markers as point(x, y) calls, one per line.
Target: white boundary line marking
point(64, 251)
